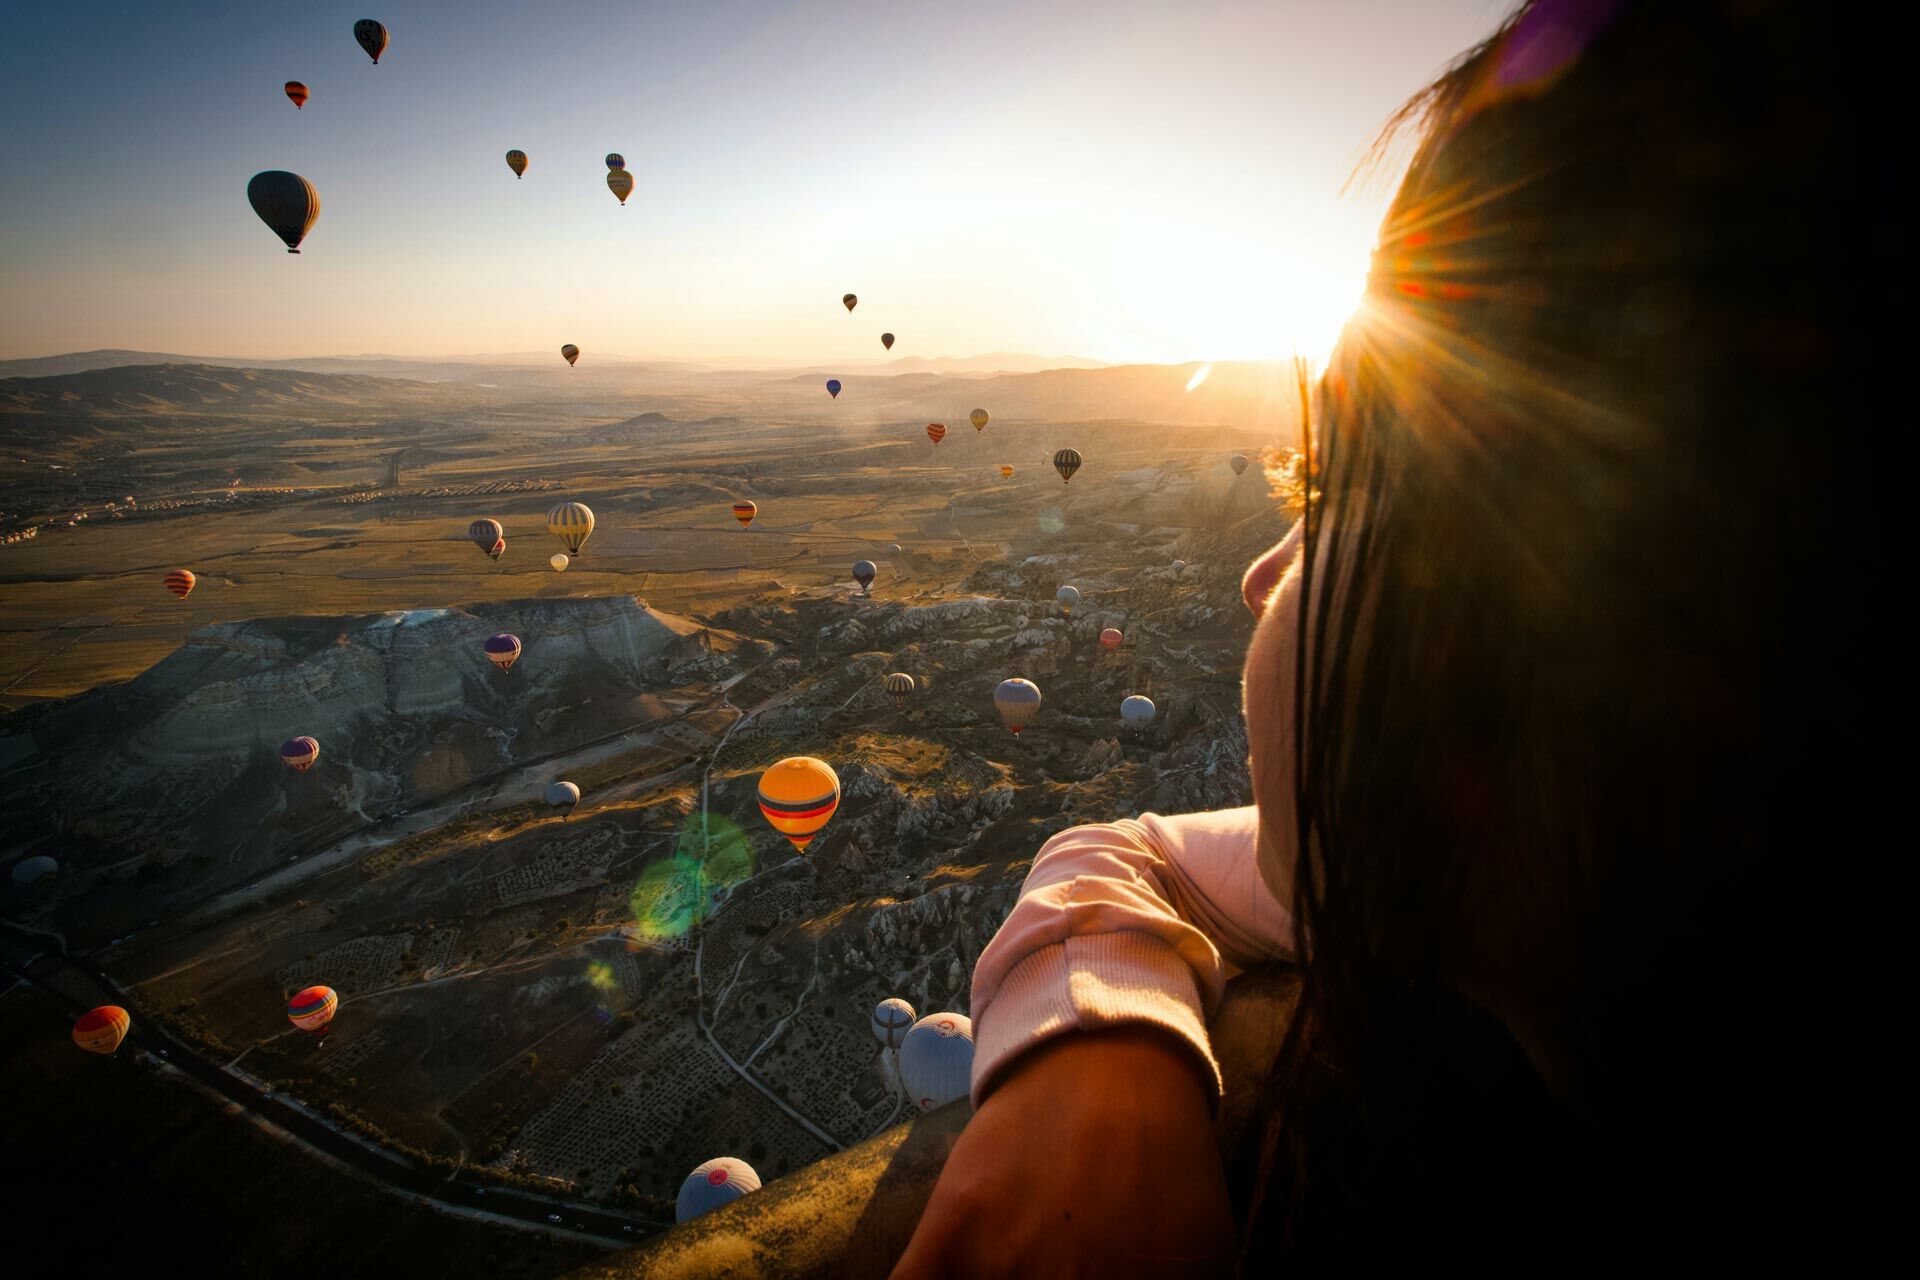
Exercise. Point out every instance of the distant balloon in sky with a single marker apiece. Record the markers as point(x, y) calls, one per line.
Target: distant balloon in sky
point(849, 301)
point(979, 419)
point(101, 1030)
point(517, 161)
point(936, 432)
point(1006, 473)
point(484, 533)
point(1067, 597)
point(559, 561)
point(502, 650)
point(900, 688)
point(563, 795)
point(1239, 464)
point(1136, 711)
point(372, 37)
point(1017, 701)
point(893, 548)
point(936, 1059)
point(300, 753)
point(744, 511)
point(886, 340)
point(717, 1182)
point(615, 160)
point(833, 387)
point(891, 1018)
point(498, 549)
point(286, 202)
point(863, 571)
point(298, 92)
point(180, 582)
point(570, 353)
point(620, 182)
point(313, 1009)
point(572, 523)
point(797, 796)
point(1066, 462)
point(1110, 638)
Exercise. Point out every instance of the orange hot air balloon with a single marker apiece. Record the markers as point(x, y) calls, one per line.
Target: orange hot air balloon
point(313, 1008)
point(1006, 473)
point(298, 92)
point(101, 1030)
point(798, 795)
point(620, 182)
point(1110, 638)
point(181, 582)
point(936, 432)
point(744, 511)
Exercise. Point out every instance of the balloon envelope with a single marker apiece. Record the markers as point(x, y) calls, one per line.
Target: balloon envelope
point(297, 92)
point(502, 650)
point(300, 753)
point(1006, 473)
point(848, 301)
point(562, 795)
point(719, 1181)
point(893, 548)
point(833, 387)
point(1110, 638)
point(517, 161)
point(101, 1030)
point(372, 37)
point(936, 1059)
point(979, 419)
point(900, 688)
point(181, 582)
point(1067, 597)
point(313, 1009)
point(936, 432)
point(1066, 462)
point(35, 869)
point(1136, 711)
point(1017, 701)
point(570, 353)
point(620, 182)
point(559, 561)
point(484, 533)
point(891, 1018)
point(1239, 463)
point(886, 340)
point(798, 795)
point(615, 160)
point(572, 523)
point(863, 571)
point(744, 511)
point(286, 202)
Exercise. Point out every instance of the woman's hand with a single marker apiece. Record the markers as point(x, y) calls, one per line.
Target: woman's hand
point(1094, 1156)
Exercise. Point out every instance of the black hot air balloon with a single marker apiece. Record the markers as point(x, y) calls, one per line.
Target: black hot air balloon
point(1066, 462)
point(372, 37)
point(286, 202)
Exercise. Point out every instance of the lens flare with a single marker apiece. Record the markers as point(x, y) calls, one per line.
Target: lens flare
point(672, 896)
point(1200, 375)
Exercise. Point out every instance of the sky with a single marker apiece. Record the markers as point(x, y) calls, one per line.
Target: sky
point(1117, 180)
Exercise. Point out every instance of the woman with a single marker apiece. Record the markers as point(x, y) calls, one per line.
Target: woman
point(1583, 603)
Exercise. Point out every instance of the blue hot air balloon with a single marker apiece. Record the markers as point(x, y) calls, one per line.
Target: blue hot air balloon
point(833, 387)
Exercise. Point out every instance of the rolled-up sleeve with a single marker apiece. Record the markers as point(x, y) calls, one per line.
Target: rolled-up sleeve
point(1126, 923)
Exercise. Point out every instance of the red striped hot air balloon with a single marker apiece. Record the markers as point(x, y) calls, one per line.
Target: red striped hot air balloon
point(181, 582)
point(297, 92)
point(744, 511)
point(798, 795)
point(313, 1008)
point(1110, 638)
point(503, 650)
point(300, 753)
point(936, 432)
point(101, 1030)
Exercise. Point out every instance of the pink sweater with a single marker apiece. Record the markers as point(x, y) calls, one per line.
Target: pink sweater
point(1127, 922)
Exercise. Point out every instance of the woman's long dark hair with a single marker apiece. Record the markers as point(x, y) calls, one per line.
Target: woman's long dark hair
point(1589, 684)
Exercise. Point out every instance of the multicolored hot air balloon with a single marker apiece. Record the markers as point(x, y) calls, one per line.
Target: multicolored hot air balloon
point(798, 795)
point(1066, 598)
point(517, 161)
point(180, 581)
point(563, 795)
point(900, 688)
point(719, 1181)
point(559, 561)
point(744, 511)
point(297, 92)
point(620, 182)
point(936, 432)
point(300, 752)
point(1017, 701)
point(1238, 463)
point(979, 419)
point(1006, 473)
point(372, 37)
point(1110, 637)
point(886, 340)
point(101, 1030)
point(572, 523)
point(313, 1008)
point(891, 1018)
point(502, 650)
point(833, 387)
point(848, 301)
point(936, 1059)
point(1066, 462)
point(570, 353)
point(486, 534)
point(615, 160)
point(1136, 711)
point(863, 571)
point(286, 202)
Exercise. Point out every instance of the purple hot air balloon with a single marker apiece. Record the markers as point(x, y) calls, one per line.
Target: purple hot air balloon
point(833, 387)
point(503, 650)
point(300, 753)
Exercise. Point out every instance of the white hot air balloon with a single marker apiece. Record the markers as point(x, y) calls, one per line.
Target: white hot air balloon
point(1066, 598)
point(1136, 711)
point(563, 795)
point(936, 1059)
point(719, 1181)
point(559, 561)
point(891, 1018)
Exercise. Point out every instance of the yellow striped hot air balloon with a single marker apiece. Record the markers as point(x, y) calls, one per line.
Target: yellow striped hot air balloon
point(900, 688)
point(979, 419)
point(572, 523)
point(744, 511)
point(101, 1030)
point(180, 582)
point(798, 795)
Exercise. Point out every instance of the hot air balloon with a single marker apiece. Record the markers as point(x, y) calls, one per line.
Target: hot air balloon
point(891, 1018)
point(717, 1182)
point(570, 353)
point(615, 160)
point(572, 523)
point(298, 92)
point(301, 753)
point(559, 561)
point(886, 340)
point(848, 301)
point(893, 548)
point(372, 37)
point(286, 202)
point(979, 419)
point(1110, 638)
point(180, 581)
point(1239, 464)
point(1017, 701)
point(35, 869)
point(863, 572)
point(1066, 598)
point(1066, 462)
point(502, 650)
point(313, 1008)
point(936, 432)
point(936, 1059)
point(798, 795)
point(484, 533)
point(101, 1030)
point(744, 511)
point(1179, 566)
point(517, 161)
point(900, 688)
point(620, 182)
point(1136, 711)
point(833, 387)
point(1006, 473)
point(563, 795)
point(498, 549)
